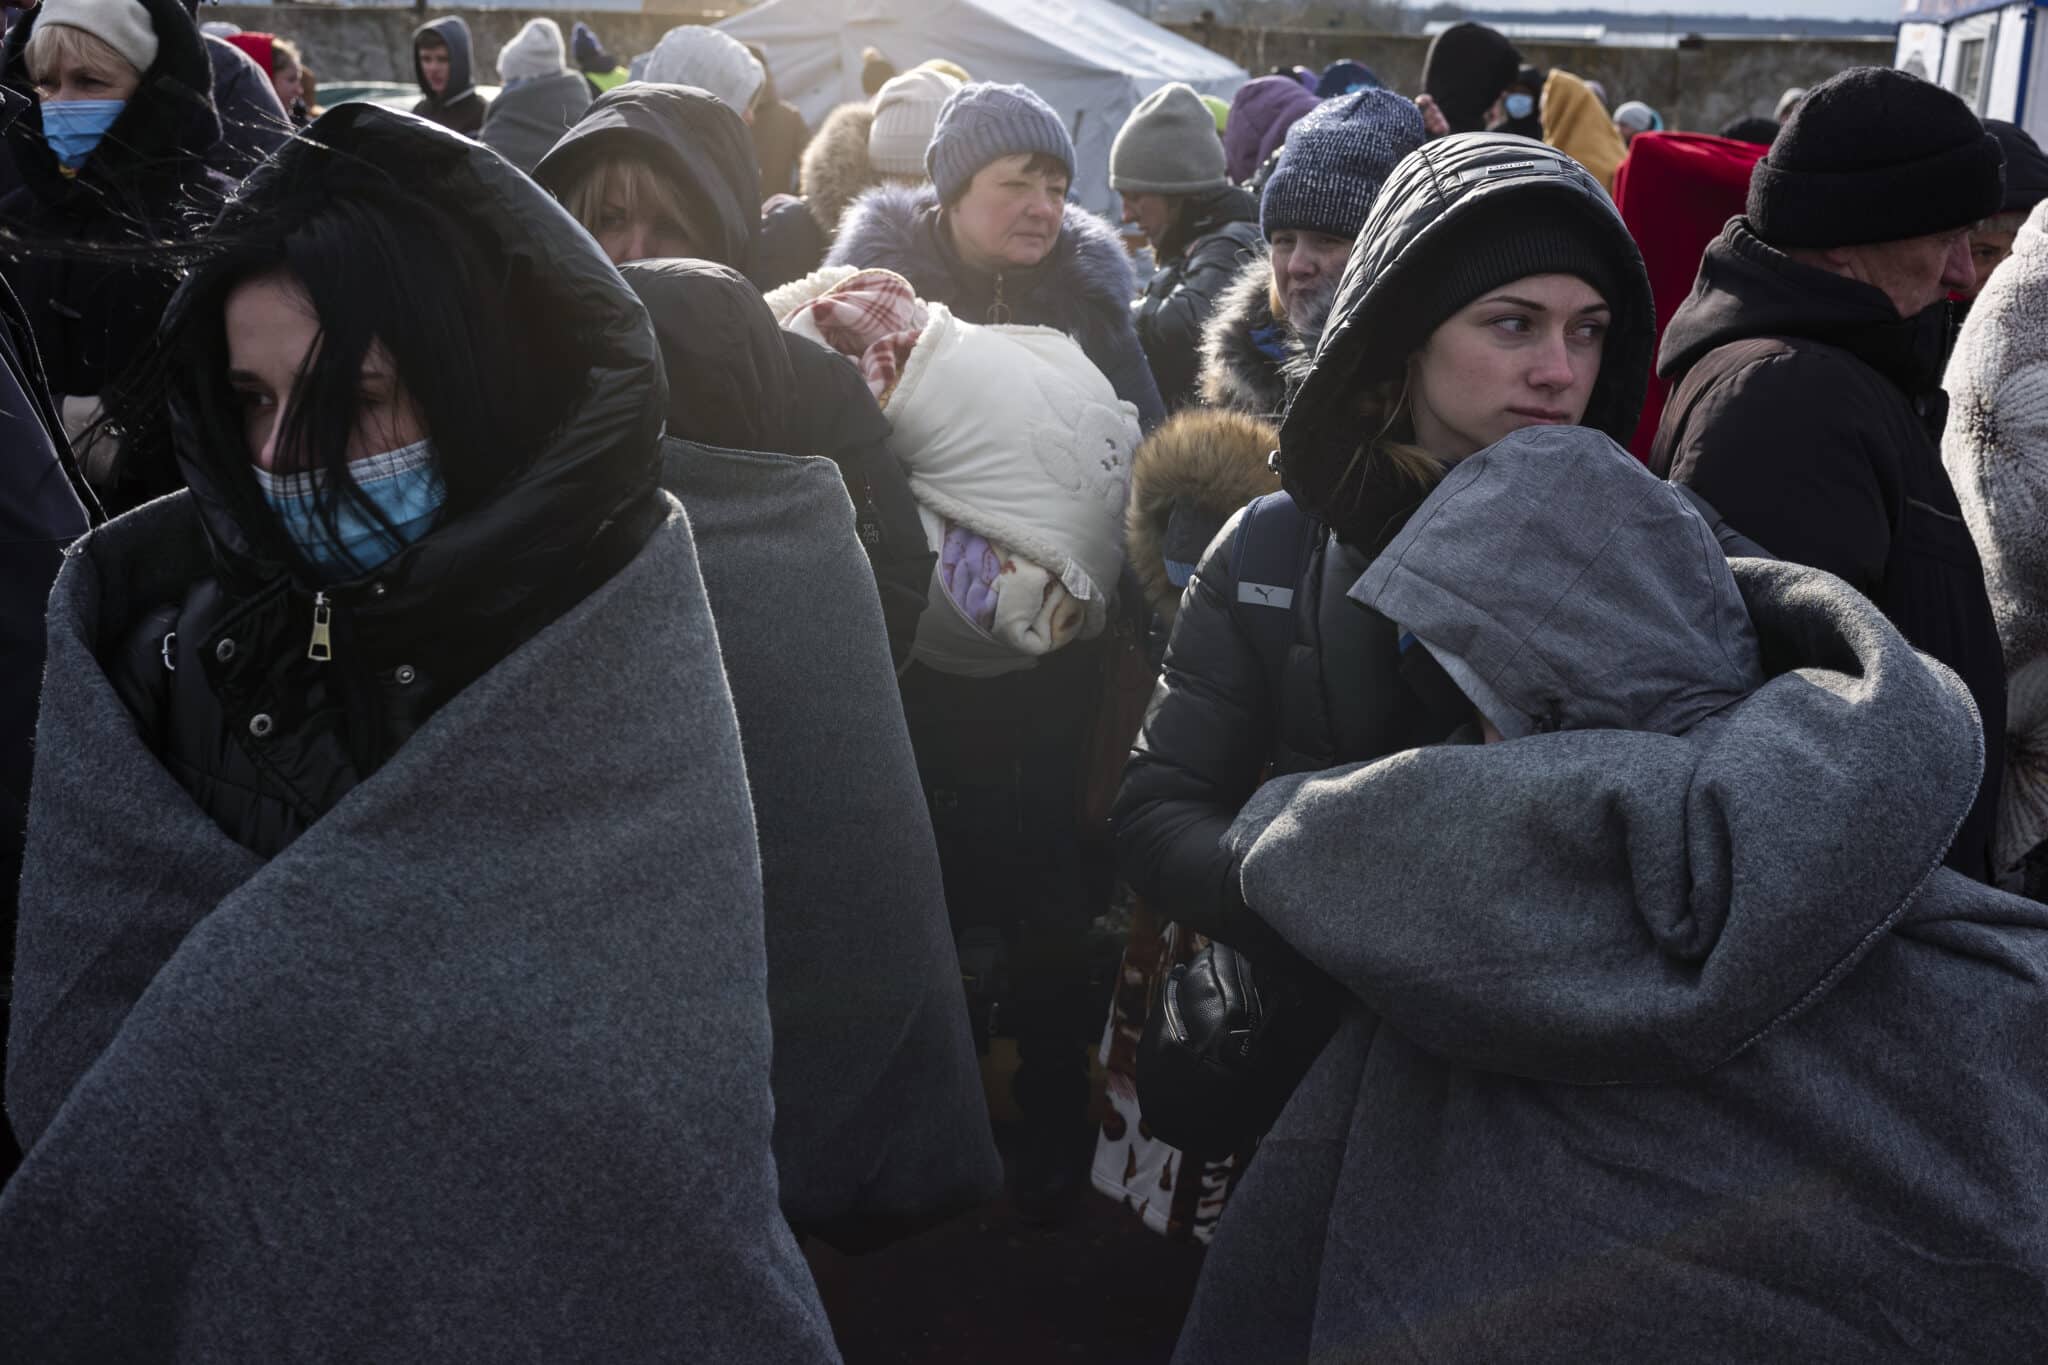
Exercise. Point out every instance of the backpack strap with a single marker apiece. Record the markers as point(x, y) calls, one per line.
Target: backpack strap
point(1276, 541)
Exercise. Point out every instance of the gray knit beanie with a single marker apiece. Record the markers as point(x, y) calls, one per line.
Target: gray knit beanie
point(984, 122)
point(1168, 146)
point(1335, 160)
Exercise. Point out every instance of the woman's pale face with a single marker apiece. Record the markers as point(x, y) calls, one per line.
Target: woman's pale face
point(1010, 216)
point(271, 330)
point(289, 82)
point(90, 78)
point(1526, 354)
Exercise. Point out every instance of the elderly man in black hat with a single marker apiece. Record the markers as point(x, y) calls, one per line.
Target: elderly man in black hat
point(1807, 368)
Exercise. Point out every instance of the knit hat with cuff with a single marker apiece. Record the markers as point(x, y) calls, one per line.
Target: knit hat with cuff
point(1875, 155)
point(906, 111)
point(123, 25)
point(1334, 162)
point(985, 122)
point(1168, 146)
point(711, 61)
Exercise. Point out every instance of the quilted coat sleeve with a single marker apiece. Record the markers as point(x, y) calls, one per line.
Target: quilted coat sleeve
point(1206, 739)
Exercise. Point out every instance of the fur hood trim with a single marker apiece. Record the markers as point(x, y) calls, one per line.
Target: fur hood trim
point(1236, 374)
point(1087, 271)
point(1213, 460)
point(835, 169)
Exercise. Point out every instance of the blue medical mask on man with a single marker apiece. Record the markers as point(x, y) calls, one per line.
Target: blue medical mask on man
point(403, 484)
point(73, 128)
point(1519, 106)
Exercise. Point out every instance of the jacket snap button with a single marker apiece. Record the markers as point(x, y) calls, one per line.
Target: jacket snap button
point(377, 590)
point(405, 675)
point(260, 725)
point(224, 651)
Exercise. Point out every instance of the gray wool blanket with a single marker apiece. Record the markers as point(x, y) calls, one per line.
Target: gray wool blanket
point(476, 1070)
point(1666, 1046)
point(880, 1122)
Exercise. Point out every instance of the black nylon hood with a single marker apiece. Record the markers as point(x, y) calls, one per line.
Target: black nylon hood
point(1428, 207)
point(689, 136)
point(586, 498)
point(730, 381)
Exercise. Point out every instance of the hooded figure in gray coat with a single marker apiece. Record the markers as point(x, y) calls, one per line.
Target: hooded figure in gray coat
point(1678, 1043)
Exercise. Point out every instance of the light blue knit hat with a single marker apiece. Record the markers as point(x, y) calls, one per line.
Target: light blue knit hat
point(983, 122)
point(1335, 160)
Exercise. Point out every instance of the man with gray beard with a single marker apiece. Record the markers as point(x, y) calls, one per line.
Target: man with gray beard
point(1316, 201)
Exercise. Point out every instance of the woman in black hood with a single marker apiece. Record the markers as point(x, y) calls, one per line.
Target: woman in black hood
point(660, 172)
point(391, 963)
point(1493, 288)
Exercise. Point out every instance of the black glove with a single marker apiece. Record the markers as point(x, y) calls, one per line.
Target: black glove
point(1225, 1047)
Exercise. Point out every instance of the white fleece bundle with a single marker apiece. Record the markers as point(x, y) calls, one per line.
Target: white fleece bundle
point(1014, 434)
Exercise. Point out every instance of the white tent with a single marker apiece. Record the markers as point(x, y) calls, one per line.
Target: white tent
point(1090, 59)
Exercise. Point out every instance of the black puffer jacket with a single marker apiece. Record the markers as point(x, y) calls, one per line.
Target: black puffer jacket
point(1198, 261)
point(147, 181)
point(1810, 414)
point(267, 739)
point(739, 381)
point(1348, 692)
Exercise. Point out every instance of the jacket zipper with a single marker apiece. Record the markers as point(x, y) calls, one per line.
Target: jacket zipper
point(322, 647)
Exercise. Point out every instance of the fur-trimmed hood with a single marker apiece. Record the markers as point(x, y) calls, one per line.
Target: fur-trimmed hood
point(1236, 373)
point(835, 169)
point(1084, 287)
point(1186, 480)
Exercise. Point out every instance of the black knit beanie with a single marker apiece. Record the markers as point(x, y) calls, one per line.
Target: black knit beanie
point(1481, 251)
point(1875, 155)
point(2026, 168)
point(1465, 70)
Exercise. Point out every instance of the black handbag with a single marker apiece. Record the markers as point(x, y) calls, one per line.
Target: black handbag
point(1224, 1048)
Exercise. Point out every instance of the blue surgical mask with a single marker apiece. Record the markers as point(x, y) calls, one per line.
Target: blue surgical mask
point(74, 127)
point(1520, 106)
point(404, 485)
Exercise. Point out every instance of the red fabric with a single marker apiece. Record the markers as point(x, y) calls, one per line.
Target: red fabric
point(874, 318)
point(259, 46)
point(1676, 191)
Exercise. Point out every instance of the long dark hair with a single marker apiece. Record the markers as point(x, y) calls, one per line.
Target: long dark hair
point(470, 334)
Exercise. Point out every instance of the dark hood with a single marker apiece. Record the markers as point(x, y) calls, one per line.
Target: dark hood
point(1436, 200)
point(584, 499)
point(1747, 289)
point(1203, 214)
point(1464, 71)
point(461, 76)
point(694, 138)
point(168, 124)
point(2026, 167)
point(730, 381)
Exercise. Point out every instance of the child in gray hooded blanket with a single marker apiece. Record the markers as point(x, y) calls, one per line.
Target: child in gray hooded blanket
point(392, 976)
point(1652, 1052)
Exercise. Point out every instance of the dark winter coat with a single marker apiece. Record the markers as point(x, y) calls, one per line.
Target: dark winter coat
point(880, 1123)
point(737, 380)
point(779, 138)
point(699, 145)
point(1810, 414)
point(252, 122)
point(836, 170)
point(527, 119)
point(1349, 693)
point(792, 244)
point(147, 181)
point(1755, 1097)
point(1246, 350)
point(1083, 287)
point(1198, 262)
point(406, 639)
point(478, 1067)
point(458, 106)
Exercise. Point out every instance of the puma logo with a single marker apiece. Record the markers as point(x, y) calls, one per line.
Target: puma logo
point(1265, 595)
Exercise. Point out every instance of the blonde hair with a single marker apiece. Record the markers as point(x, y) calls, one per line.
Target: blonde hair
point(1389, 460)
point(53, 45)
point(629, 181)
point(285, 52)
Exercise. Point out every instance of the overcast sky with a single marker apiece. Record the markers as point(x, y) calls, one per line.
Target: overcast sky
point(1805, 9)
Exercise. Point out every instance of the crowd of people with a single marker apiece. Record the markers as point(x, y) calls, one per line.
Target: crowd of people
point(570, 658)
